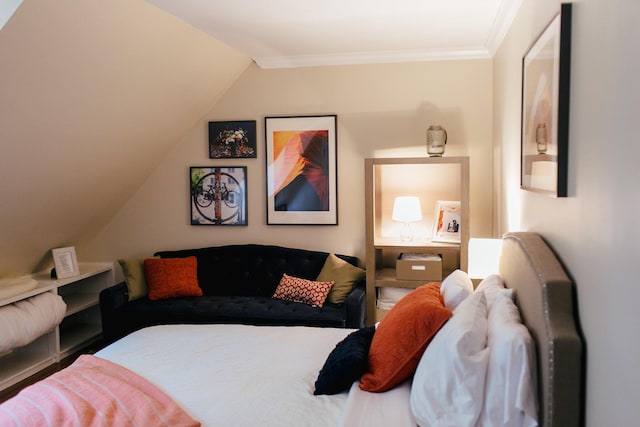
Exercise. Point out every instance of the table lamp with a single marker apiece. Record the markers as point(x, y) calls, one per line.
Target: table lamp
point(406, 209)
point(484, 257)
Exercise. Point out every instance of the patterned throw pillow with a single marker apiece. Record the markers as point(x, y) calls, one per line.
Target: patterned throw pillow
point(302, 290)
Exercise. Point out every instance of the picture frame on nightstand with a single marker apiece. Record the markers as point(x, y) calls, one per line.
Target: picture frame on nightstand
point(447, 224)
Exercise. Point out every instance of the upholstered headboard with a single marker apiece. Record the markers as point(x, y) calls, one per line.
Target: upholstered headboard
point(546, 297)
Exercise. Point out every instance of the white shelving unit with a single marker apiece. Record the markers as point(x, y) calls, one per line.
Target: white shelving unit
point(80, 327)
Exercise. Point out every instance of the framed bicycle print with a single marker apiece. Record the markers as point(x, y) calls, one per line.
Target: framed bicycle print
point(447, 222)
point(218, 195)
point(301, 170)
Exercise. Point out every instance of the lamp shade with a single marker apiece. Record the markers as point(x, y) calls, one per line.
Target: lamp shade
point(406, 209)
point(484, 257)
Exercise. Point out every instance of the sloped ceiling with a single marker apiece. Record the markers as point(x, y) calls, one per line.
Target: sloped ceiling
point(93, 94)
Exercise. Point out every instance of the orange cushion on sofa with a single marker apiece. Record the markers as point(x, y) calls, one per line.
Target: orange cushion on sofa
point(402, 336)
point(172, 277)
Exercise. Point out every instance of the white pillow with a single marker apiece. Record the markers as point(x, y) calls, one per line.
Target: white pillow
point(455, 288)
point(449, 382)
point(492, 286)
point(510, 392)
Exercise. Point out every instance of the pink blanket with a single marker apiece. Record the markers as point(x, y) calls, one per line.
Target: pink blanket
point(93, 392)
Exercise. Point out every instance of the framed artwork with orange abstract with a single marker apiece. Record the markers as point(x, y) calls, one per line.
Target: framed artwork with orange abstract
point(301, 170)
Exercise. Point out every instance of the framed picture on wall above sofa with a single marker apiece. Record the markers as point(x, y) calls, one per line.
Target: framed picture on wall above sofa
point(218, 195)
point(301, 170)
point(545, 108)
point(232, 139)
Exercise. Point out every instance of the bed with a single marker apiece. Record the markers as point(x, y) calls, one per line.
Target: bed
point(241, 375)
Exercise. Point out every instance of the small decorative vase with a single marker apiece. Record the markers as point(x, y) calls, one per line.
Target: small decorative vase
point(436, 140)
point(541, 138)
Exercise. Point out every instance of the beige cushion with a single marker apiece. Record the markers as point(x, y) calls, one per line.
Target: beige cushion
point(344, 276)
point(134, 275)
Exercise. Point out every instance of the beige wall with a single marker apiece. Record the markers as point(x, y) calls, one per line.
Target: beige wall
point(92, 96)
point(595, 230)
point(383, 110)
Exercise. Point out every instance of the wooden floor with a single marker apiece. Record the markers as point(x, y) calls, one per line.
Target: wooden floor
point(11, 391)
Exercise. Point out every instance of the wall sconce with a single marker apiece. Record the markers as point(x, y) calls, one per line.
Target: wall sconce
point(406, 209)
point(436, 140)
point(484, 257)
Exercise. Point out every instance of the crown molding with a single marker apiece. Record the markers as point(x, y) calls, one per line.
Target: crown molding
point(504, 18)
point(381, 57)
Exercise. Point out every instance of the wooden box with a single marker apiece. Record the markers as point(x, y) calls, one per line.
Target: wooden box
point(411, 266)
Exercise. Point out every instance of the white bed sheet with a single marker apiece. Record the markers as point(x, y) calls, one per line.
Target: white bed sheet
point(389, 409)
point(237, 375)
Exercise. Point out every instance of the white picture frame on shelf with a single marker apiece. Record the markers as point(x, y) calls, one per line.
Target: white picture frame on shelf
point(65, 262)
point(447, 220)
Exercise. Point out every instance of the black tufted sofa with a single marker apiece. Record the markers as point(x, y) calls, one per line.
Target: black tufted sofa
point(237, 282)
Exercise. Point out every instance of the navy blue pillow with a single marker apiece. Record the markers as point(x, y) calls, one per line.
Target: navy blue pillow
point(346, 363)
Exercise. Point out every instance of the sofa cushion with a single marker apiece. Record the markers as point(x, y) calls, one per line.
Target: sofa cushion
point(171, 277)
point(251, 270)
point(214, 309)
point(344, 276)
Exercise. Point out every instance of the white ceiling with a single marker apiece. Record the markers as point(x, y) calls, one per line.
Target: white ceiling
point(299, 33)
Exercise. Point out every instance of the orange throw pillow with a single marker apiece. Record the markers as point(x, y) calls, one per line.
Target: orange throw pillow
point(172, 277)
point(402, 336)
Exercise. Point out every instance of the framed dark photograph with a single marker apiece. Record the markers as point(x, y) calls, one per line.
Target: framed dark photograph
point(218, 195)
point(545, 109)
point(301, 170)
point(232, 140)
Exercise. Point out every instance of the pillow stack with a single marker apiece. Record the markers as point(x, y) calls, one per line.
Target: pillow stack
point(510, 391)
point(479, 370)
point(471, 358)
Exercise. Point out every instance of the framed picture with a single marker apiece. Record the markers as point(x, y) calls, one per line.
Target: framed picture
point(301, 170)
point(447, 222)
point(545, 109)
point(65, 262)
point(218, 195)
point(232, 140)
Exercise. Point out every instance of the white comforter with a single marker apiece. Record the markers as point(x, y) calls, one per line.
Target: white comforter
point(24, 321)
point(237, 375)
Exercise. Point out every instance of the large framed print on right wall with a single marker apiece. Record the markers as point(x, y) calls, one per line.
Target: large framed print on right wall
point(545, 109)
